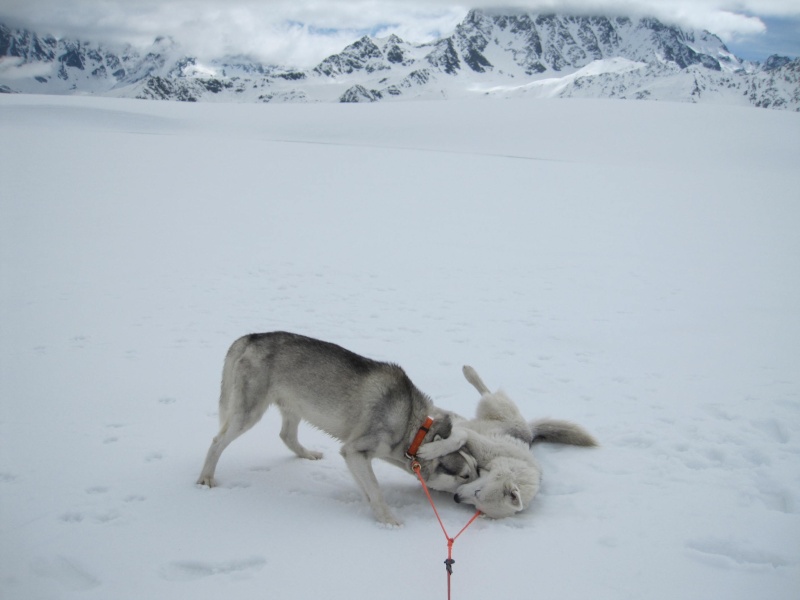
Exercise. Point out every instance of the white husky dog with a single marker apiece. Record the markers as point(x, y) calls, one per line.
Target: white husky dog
point(499, 439)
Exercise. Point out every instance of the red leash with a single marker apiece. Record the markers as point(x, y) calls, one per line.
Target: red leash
point(415, 466)
point(450, 540)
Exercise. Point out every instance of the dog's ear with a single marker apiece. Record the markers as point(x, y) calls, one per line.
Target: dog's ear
point(442, 427)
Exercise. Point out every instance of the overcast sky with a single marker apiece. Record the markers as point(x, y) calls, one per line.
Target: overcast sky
point(302, 32)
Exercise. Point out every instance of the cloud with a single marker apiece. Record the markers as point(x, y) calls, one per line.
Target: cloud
point(302, 32)
point(14, 68)
point(295, 32)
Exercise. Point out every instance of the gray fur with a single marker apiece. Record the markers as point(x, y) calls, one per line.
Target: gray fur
point(372, 407)
point(560, 432)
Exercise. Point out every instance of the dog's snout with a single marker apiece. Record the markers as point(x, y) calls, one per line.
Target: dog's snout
point(457, 498)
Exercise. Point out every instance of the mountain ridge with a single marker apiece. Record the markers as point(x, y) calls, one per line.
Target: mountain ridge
point(490, 53)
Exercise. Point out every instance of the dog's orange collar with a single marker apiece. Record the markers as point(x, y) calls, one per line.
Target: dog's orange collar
point(411, 453)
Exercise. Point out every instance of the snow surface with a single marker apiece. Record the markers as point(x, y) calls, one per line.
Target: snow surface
point(630, 266)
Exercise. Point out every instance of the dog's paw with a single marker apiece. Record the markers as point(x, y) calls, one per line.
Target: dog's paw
point(430, 451)
point(389, 522)
point(312, 455)
point(445, 446)
point(206, 481)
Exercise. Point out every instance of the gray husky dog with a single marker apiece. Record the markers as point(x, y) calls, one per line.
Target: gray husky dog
point(499, 439)
point(372, 407)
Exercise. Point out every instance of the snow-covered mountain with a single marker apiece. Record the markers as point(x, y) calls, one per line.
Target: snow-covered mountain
point(492, 53)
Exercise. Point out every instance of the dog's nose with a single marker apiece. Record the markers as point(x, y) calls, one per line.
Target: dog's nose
point(457, 498)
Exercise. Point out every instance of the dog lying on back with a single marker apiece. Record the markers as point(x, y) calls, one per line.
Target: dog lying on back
point(499, 440)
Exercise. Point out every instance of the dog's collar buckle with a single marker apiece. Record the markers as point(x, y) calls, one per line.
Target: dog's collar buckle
point(411, 453)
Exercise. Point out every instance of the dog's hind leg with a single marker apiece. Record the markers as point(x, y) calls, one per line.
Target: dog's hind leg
point(289, 436)
point(243, 401)
point(230, 430)
point(471, 375)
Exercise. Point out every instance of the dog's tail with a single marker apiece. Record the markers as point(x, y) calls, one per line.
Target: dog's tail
point(561, 432)
point(472, 376)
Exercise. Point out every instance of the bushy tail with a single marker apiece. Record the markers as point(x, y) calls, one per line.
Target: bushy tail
point(560, 432)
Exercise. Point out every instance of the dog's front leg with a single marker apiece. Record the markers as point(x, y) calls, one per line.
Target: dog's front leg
point(438, 448)
point(360, 466)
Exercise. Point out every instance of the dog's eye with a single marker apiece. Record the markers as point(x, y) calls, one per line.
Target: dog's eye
point(443, 469)
point(464, 476)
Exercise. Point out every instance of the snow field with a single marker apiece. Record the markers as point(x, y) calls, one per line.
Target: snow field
point(629, 266)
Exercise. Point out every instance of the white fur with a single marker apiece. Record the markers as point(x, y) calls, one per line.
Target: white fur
point(499, 439)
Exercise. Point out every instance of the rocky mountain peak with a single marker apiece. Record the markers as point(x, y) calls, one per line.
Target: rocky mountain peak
point(26, 45)
point(493, 52)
